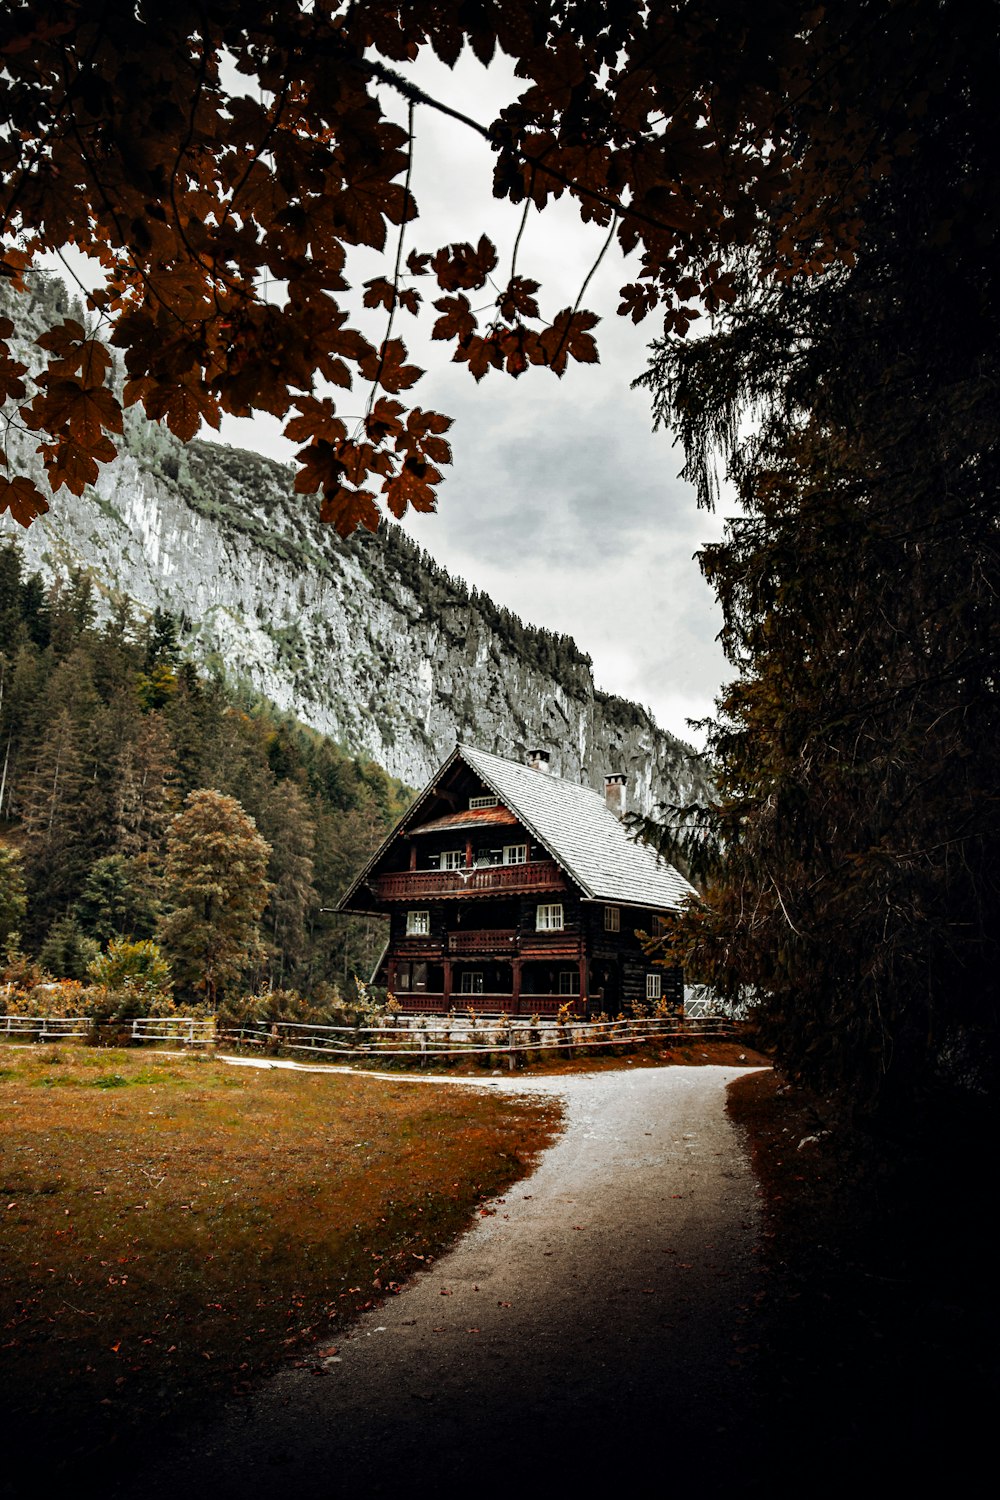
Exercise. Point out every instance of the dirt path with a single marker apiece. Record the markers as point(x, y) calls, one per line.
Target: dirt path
point(585, 1329)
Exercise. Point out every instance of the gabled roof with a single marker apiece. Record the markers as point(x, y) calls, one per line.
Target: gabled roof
point(572, 822)
point(576, 826)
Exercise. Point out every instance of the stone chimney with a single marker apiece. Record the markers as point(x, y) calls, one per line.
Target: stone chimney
point(615, 793)
point(538, 760)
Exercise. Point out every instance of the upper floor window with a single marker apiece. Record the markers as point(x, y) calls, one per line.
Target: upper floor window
point(418, 923)
point(654, 986)
point(453, 859)
point(515, 854)
point(549, 917)
point(612, 919)
point(482, 802)
point(658, 926)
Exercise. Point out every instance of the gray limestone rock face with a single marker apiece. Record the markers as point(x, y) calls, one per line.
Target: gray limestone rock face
point(366, 640)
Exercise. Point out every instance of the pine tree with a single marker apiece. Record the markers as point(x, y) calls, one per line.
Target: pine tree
point(13, 902)
point(291, 833)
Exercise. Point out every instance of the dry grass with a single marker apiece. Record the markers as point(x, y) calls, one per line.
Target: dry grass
point(172, 1227)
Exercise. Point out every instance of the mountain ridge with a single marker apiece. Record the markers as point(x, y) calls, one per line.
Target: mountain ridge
point(365, 639)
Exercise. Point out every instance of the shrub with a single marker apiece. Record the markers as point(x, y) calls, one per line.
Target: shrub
point(133, 966)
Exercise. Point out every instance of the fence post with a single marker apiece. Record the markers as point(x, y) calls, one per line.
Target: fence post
point(511, 1050)
point(423, 1048)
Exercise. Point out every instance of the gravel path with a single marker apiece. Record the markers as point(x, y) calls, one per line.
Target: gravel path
point(583, 1334)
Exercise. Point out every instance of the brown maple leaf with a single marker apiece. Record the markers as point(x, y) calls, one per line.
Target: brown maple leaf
point(457, 320)
point(459, 265)
point(567, 337)
point(317, 419)
point(348, 509)
point(387, 368)
point(321, 469)
point(22, 498)
point(413, 485)
point(384, 420)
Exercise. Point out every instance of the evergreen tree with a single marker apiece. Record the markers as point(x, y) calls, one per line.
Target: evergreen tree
point(216, 889)
point(57, 826)
point(13, 898)
point(118, 898)
point(291, 833)
point(853, 882)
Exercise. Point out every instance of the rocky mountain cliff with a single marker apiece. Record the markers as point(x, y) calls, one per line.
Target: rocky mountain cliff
point(367, 640)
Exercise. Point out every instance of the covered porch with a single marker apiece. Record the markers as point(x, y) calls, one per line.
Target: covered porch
point(516, 986)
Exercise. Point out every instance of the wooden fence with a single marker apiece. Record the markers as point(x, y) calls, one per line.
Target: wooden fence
point(422, 1040)
point(445, 1039)
point(44, 1028)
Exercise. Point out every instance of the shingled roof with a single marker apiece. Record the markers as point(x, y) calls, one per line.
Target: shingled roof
point(575, 826)
point(582, 834)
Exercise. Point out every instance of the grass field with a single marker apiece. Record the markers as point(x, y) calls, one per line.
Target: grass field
point(172, 1227)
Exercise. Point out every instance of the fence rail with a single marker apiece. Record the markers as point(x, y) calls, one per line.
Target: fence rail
point(173, 1029)
point(454, 1037)
point(412, 1039)
point(45, 1028)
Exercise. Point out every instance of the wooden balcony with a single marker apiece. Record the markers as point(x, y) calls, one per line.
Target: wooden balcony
point(483, 941)
point(485, 880)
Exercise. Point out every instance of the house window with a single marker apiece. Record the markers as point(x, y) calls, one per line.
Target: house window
point(482, 802)
point(418, 923)
point(568, 981)
point(471, 983)
point(453, 859)
point(549, 918)
point(515, 854)
point(654, 983)
point(612, 919)
point(659, 926)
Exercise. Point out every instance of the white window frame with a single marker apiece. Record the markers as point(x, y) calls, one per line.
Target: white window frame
point(453, 859)
point(654, 986)
point(515, 854)
point(569, 982)
point(418, 923)
point(612, 919)
point(475, 802)
point(467, 982)
point(549, 917)
point(658, 925)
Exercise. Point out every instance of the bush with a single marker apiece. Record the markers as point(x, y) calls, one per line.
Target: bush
point(104, 1003)
point(41, 997)
point(132, 966)
point(324, 1006)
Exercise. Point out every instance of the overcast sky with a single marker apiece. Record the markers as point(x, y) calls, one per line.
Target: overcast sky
point(561, 504)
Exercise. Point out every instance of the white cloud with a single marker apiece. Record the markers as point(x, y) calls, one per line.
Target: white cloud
point(562, 502)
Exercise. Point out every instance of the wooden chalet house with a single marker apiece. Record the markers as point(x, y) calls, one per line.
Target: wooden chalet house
point(507, 888)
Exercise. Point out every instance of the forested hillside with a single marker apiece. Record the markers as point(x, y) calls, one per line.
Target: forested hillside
point(104, 731)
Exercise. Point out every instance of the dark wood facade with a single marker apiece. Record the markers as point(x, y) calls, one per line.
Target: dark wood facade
point(480, 914)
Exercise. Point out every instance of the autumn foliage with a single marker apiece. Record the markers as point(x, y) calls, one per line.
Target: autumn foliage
point(218, 161)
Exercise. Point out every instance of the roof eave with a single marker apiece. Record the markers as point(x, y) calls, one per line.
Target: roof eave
point(393, 833)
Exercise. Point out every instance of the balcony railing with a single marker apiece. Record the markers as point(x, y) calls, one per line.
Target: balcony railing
point(486, 940)
point(486, 880)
